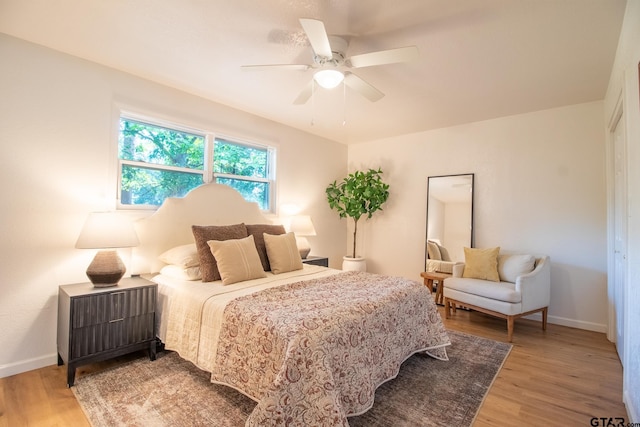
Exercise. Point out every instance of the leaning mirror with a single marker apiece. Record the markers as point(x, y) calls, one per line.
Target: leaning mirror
point(449, 221)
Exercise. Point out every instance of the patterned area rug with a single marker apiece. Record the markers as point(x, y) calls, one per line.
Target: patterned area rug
point(173, 392)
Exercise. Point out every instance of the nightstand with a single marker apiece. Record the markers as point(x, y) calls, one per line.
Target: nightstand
point(317, 260)
point(96, 324)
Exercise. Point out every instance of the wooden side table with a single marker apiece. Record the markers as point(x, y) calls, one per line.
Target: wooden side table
point(433, 276)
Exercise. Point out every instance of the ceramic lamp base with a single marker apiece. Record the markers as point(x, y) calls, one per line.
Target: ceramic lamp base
point(106, 269)
point(303, 247)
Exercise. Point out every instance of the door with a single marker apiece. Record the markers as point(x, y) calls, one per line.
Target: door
point(620, 231)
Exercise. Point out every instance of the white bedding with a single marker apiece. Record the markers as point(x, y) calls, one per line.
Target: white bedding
point(196, 337)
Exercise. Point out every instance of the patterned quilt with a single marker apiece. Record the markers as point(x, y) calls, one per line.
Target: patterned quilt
point(313, 353)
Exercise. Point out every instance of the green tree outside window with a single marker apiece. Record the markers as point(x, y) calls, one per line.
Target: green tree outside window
point(157, 162)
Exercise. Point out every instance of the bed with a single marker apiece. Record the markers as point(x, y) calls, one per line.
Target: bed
point(310, 345)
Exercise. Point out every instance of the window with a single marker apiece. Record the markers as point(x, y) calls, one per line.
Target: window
point(245, 168)
point(156, 161)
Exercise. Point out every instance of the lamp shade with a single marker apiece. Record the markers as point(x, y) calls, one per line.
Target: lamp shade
point(301, 225)
point(104, 230)
point(328, 79)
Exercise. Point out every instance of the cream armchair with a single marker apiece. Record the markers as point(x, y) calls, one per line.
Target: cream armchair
point(524, 288)
point(438, 258)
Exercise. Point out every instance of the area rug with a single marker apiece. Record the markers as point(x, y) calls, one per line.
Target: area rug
point(173, 392)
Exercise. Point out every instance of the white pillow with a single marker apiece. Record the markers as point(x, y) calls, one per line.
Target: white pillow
point(282, 252)
point(181, 273)
point(237, 259)
point(183, 256)
point(512, 266)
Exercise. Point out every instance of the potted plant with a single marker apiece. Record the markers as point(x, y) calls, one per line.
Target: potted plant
point(360, 193)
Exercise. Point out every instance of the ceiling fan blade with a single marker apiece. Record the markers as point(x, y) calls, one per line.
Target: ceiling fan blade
point(301, 67)
point(306, 93)
point(391, 56)
point(317, 36)
point(362, 87)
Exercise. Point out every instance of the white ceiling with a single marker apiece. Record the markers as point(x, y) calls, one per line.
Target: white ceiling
point(479, 59)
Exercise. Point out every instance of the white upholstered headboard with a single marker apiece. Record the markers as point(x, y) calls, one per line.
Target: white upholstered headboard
point(170, 225)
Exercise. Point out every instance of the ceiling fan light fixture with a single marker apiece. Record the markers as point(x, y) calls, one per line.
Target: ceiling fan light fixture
point(328, 79)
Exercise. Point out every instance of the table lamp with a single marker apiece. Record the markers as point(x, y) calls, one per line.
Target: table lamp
point(106, 231)
point(301, 226)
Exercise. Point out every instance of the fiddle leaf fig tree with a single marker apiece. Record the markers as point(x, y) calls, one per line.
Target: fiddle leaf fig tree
point(360, 193)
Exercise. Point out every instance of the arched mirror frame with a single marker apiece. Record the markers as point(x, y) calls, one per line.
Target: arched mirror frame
point(454, 178)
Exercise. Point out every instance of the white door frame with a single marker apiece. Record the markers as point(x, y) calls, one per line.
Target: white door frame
point(616, 304)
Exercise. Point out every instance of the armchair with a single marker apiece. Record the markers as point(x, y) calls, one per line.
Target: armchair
point(524, 288)
point(438, 259)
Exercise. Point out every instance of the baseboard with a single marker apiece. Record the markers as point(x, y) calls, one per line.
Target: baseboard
point(572, 323)
point(632, 411)
point(28, 365)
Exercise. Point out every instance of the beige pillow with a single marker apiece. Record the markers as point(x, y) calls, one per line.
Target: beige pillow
point(444, 253)
point(184, 256)
point(481, 264)
point(202, 234)
point(433, 251)
point(257, 230)
point(237, 259)
point(283, 253)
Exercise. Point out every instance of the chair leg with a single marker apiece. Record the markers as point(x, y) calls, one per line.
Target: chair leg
point(447, 307)
point(510, 321)
point(544, 318)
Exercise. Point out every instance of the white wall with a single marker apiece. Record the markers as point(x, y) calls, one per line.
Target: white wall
point(57, 163)
point(539, 188)
point(624, 82)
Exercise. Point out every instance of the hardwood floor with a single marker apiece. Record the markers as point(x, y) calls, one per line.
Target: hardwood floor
point(561, 377)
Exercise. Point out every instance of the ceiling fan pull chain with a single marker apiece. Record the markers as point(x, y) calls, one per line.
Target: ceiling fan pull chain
point(344, 104)
point(313, 100)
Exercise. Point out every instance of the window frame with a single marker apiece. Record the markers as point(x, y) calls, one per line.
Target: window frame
point(207, 173)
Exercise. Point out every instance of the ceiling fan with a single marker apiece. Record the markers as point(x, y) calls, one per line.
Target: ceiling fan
point(329, 60)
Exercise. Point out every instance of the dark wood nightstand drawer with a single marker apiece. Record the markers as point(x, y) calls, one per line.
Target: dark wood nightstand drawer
point(112, 306)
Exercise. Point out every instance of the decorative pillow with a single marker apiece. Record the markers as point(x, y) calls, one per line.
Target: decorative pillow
point(283, 253)
point(444, 253)
point(202, 234)
point(183, 256)
point(481, 264)
point(181, 273)
point(257, 230)
point(512, 266)
point(237, 259)
point(433, 251)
